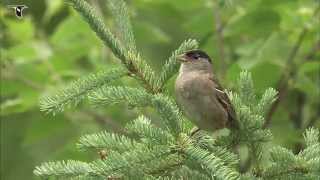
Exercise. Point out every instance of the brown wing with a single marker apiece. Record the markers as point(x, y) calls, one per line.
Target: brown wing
point(226, 103)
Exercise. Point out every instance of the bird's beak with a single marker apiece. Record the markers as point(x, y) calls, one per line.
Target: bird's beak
point(182, 58)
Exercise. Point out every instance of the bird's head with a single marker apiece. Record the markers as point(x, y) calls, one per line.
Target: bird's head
point(195, 60)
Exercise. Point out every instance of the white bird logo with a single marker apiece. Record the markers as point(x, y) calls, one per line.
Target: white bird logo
point(18, 9)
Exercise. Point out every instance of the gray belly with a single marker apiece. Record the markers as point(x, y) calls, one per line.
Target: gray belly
point(200, 105)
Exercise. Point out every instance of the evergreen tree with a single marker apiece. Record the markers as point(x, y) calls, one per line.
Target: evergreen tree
point(168, 151)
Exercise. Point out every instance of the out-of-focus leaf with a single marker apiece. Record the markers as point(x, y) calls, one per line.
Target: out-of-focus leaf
point(20, 31)
point(144, 29)
point(29, 51)
point(201, 23)
point(73, 38)
point(21, 52)
point(308, 85)
point(274, 49)
point(248, 53)
point(185, 4)
point(256, 23)
point(313, 66)
point(23, 103)
point(52, 8)
point(233, 73)
point(265, 75)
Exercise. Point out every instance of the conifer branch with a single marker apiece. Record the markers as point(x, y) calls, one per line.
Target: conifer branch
point(306, 164)
point(77, 91)
point(171, 66)
point(134, 163)
point(169, 111)
point(63, 168)
point(132, 61)
point(143, 129)
point(123, 24)
point(311, 136)
point(208, 143)
point(215, 165)
point(116, 94)
point(142, 71)
point(266, 101)
point(98, 26)
point(185, 171)
point(108, 141)
point(165, 152)
point(246, 89)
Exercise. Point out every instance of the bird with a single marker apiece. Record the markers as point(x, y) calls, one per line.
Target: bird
point(200, 95)
point(18, 9)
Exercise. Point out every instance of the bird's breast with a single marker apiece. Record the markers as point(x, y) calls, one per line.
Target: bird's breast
point(198, 100)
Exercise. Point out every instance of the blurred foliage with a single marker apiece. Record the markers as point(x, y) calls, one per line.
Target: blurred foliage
point(52, 45)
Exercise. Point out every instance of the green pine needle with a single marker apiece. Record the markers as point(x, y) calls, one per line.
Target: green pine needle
point(63, 168)
point(171, 66)
point(74, 93)
point(142, 128)
point(123, 25)
point(210, 161)
point(97, 25)
point(116, 94)
point(105, 140)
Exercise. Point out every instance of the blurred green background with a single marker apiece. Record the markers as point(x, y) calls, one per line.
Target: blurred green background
point(277, 40)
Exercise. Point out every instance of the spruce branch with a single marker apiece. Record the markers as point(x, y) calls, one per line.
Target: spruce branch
point(134, 163)
point(98, 26)
point(143, 129)
point(108, 141)
point(184, 172)
point(123, 24)
point(142, 71)
point(215, 165)
point(166, 165)
point(169, 112)
point(78, 90)
point(116, 94)
point(250, 114)
point(171, 66)
point(63, 169)
point(208, 143)
point(311, 152)
point(311, 136)
point(150, 152)
point(130, 58)
point(266, 101)
point(314, 165)
point(167, 109)
point(285, 164)
point(246, 89)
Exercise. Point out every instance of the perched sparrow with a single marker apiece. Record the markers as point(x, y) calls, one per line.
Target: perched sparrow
point(200, 95)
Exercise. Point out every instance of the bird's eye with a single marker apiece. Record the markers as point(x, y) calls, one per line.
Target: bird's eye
point(196, 56)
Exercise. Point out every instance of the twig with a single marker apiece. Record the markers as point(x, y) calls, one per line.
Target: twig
point(298, 113)
point(220, 39)
point(315, 49)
